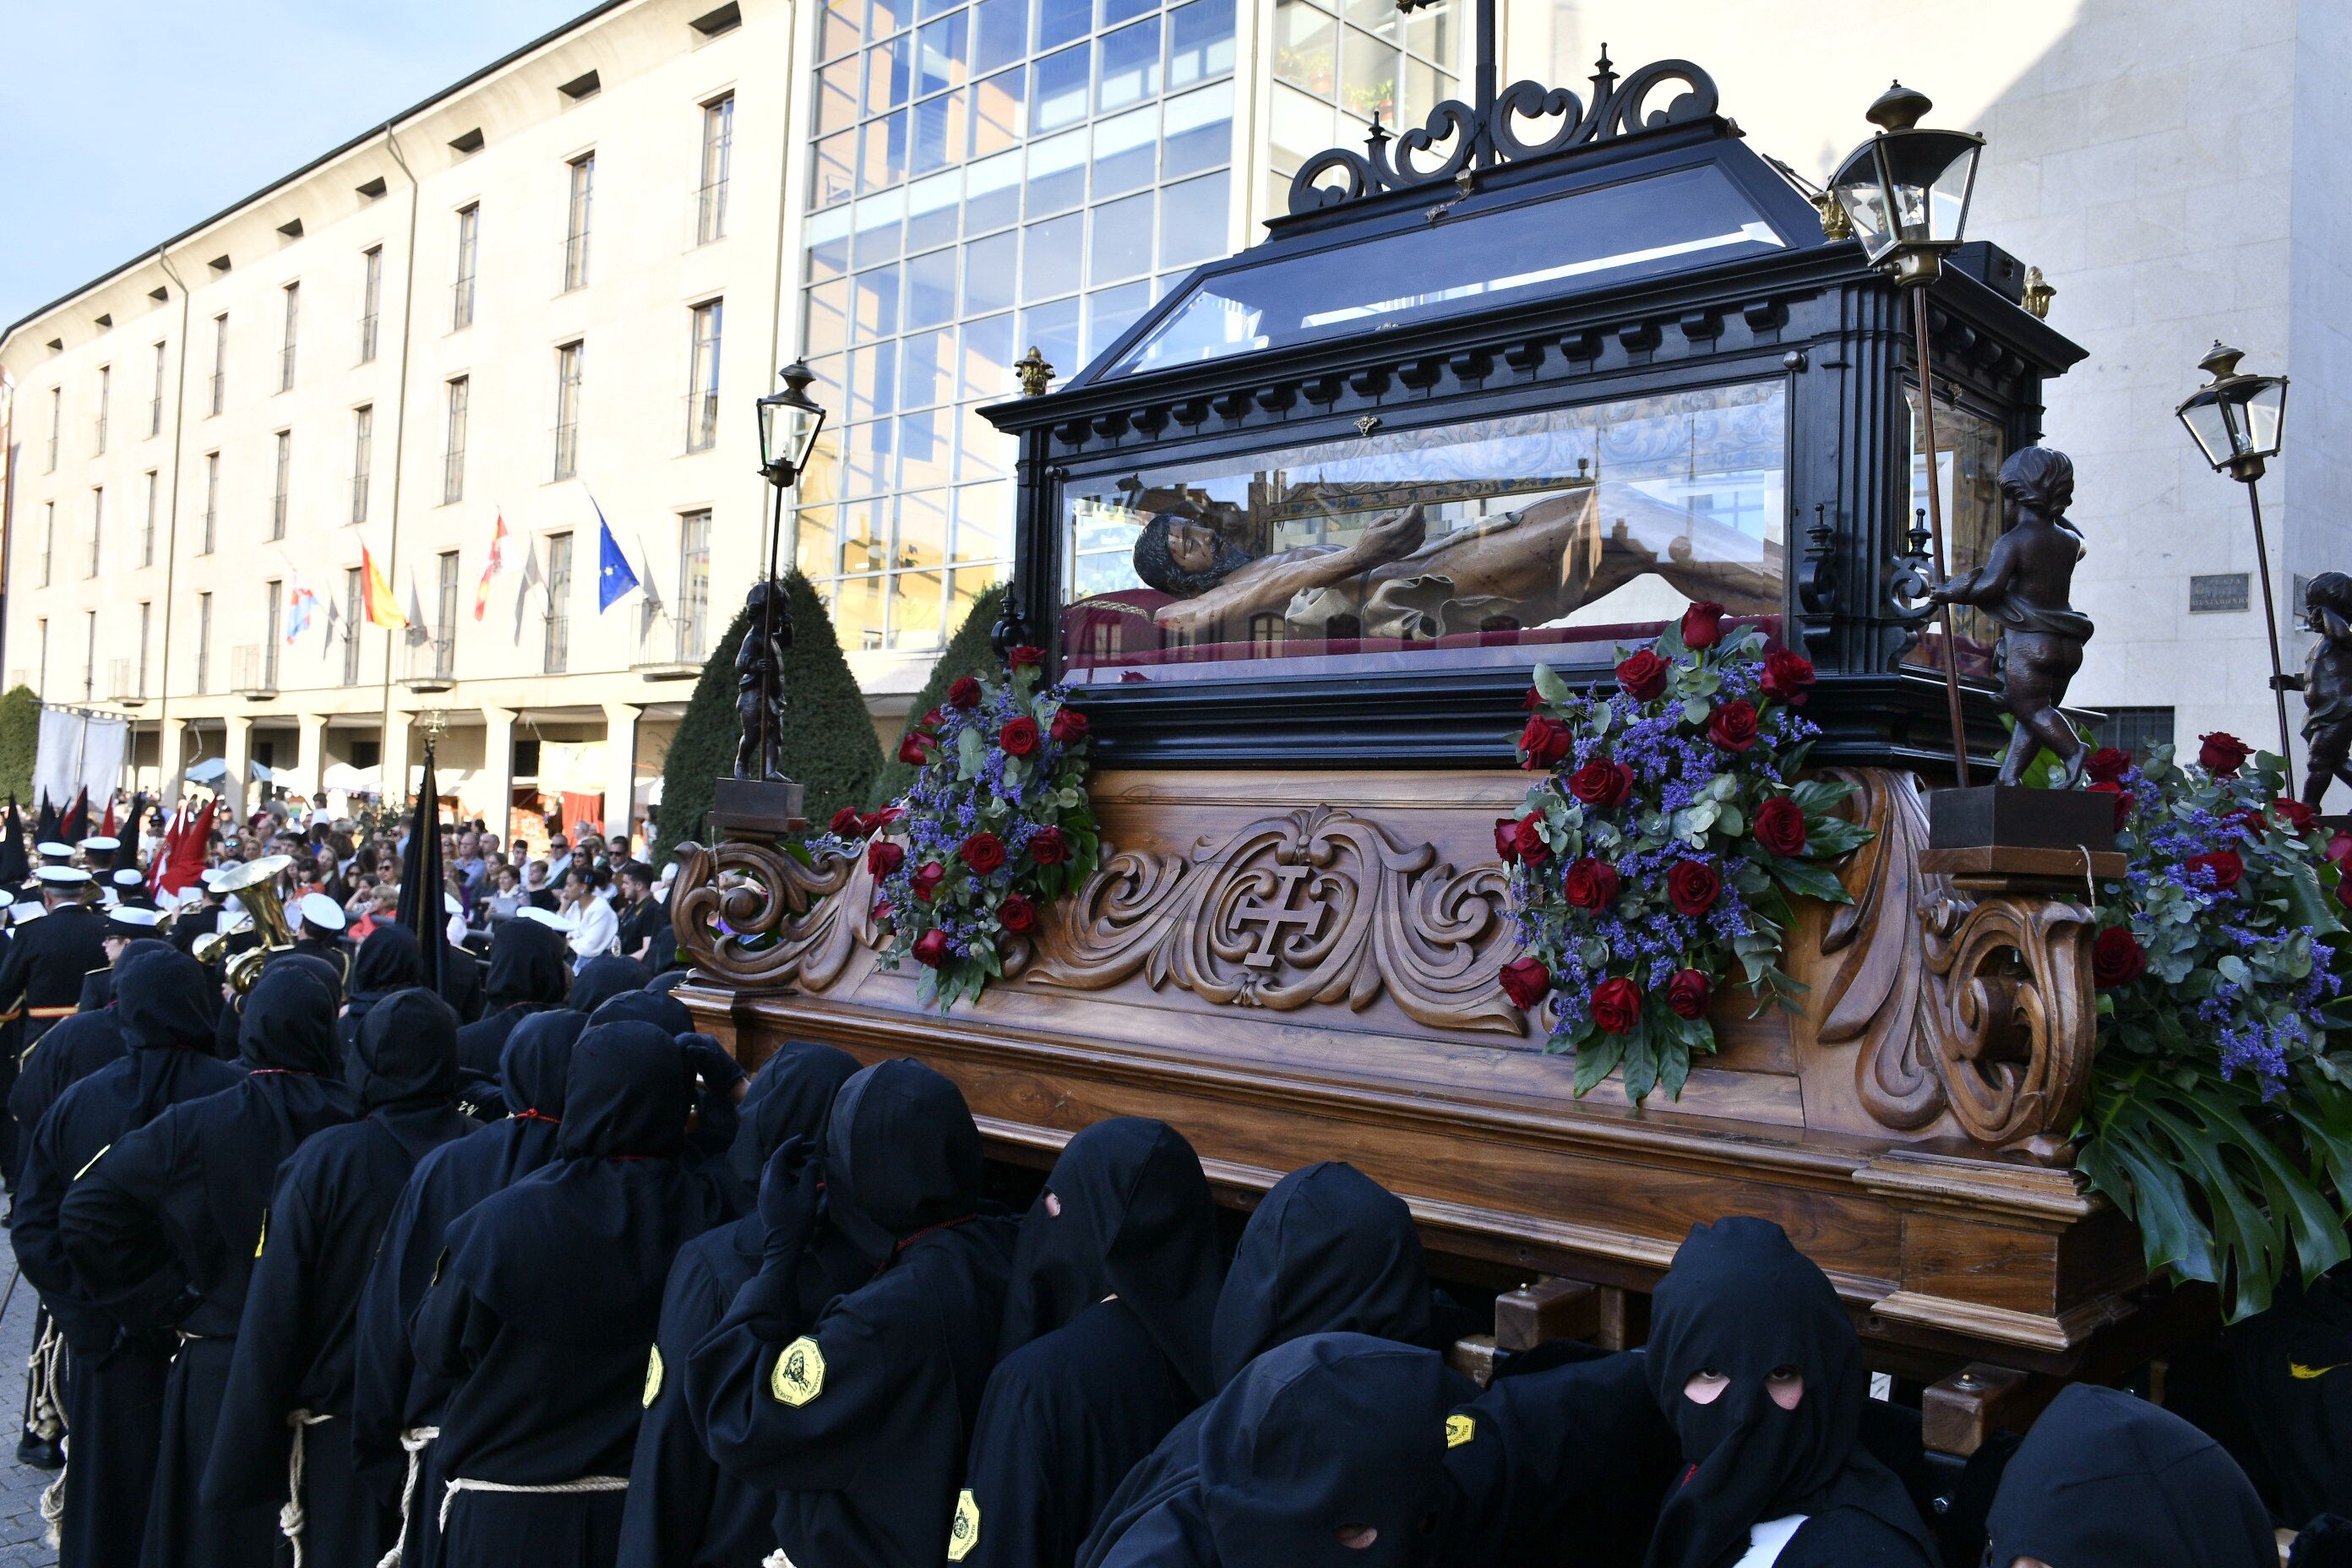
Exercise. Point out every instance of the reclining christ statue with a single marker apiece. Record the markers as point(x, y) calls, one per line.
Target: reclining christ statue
point(1515, 570)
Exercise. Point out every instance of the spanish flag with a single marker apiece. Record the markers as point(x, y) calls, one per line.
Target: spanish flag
point(383, 609)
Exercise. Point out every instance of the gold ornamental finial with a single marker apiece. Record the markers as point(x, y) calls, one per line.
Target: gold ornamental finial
point(2038, 293)
point(1035, 374)
point(1835, 225)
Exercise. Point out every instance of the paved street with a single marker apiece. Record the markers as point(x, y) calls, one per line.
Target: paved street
point(20, 1486)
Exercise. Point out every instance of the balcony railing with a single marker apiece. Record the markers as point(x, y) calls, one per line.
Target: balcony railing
point(155, 416)
point(219, 387)
point(126, 685)
point(555, 645)
point(670, 647)
point(254, 670)
point(575, 250)
point(431, 665)
point(359, 498)
point(367, 338)
point(461, 303)
point(278, 515)
point(98, 434)
point(707, 214)
point(566, 442)
point(701, 421)
point(453, 476)
point(286, 368)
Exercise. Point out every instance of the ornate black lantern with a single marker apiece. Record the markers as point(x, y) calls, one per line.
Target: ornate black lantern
point(789, 423)
point(1907, 191)
point(2238, 422)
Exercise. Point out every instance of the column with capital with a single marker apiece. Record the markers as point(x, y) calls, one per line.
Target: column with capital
point(308, 772)
point(497, 805)
point(237, 749)
point(620, 768)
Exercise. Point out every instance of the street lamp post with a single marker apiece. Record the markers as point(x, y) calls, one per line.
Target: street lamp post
point(789, 423)
point(2238, 422)
point(1905, 194)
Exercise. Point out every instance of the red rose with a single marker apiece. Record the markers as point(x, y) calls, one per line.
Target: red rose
point(932, 947)
point(984, 852)
point(1525, 982)
point(916, 749)
point(874, 820)
point(2108, 763)
point(2221, 753)
point(1019, 738)
point(1069, 725)
point(1048, 847)
point(1644, 676)
point(933, 719)
point(1026, 656)
point(1733, 726)
point(1506, 839)
point(1616, 1006)
point(1788, 677)
point(964, 694)
point(1601, 783)
point(2226, 868)
point(1780, 826)
point(882, 858)
point(927, 879)
point(2339, 848)
point(1687, 993)
point(1017, 915)
point(2124, 800)
point(2116, 958)
point(846, 821)
point(1692, 886)
point(1544, 742)
point(1527, 835)
point(2298, 817)
point(1532, 702)
point(1592, 884)
point(1702, 624)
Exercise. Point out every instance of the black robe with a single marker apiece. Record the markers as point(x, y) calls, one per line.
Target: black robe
point(62, 1057)
point(114, 1396)
point(547, 1305)
point(391, 1394)
point(461, 981)
point(2106, 1480)
point(1741, 1301)
point(386, 962)
point(1090, 1387)
point(601, 979)
point(294, 1357)
point(2293, 1366)
point(860, 1418)
point(529, 970)
point(1322, 1434)
point(166, 1228)
point(682, 1511)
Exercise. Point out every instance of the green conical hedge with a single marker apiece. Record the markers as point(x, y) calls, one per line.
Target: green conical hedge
point(967, 653)
point(829, 741)
point(20, 737)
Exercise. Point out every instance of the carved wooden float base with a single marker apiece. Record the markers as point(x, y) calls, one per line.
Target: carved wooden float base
point(1287, 979)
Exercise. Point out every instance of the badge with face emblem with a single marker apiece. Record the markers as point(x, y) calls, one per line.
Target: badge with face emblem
point(963, 1534)
point(799, 1376)
point(653, 1378)
point(1460, 1430)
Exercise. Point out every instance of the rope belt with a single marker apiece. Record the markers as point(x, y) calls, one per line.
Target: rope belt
point(53, 1512)
point(48, 1421)
point(776, 1559)
point(579, 1484)
point(49, 1012)
point(291, 1519)
point(415, 1440)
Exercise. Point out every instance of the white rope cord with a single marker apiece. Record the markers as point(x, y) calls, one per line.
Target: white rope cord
point(53, 1512)
point(291, 1519)
point(560, 1489)
point(41, 1370)
point(776, 1559)
point(415, 1440)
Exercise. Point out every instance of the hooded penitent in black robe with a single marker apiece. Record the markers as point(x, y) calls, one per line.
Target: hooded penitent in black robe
point(386, 962)
point(1089, 1385)
point(547, 1307)
point(2105, 1480)
point(1329, 1251)
point(115, 1398)
point(293, 1363)
point(1740, 1301)
point(1327, 1452)
point(2293, 1366)
point(76, 1048)
point(530, 970)
point(684, 1511)
point(601, 979)
point(166, 1228)
point(717, 1121)
point(860, 1417)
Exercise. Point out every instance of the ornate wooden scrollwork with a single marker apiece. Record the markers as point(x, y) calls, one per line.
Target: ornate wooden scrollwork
point(1314, 906)
point(1974, 1002)
point(754, 916)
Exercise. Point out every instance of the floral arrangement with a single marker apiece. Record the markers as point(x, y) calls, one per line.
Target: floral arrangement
point(1656, 856)
point(996, 827)
point(2218, 1117)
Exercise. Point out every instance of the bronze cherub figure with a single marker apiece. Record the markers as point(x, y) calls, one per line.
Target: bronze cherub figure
point(2023, 585)
point(760, 682)
point(2328, 685)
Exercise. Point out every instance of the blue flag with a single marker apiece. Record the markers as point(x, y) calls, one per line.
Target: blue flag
point(614, 579)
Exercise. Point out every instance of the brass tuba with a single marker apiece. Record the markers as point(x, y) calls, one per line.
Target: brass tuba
point(254, 883)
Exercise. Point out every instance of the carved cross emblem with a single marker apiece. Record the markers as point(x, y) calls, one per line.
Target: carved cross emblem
point(1272, 916)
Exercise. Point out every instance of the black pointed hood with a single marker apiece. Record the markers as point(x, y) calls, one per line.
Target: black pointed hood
point(627, 1094)
point(387, 960)
point(902, 1156)
point(791, 1094)
point(406, 1054)
point(537, 1063)
point(288, 1023)
point(530, 966)
point(666, 1013)
point(1330, 1250)
point(601, 979)
point(166, 1002)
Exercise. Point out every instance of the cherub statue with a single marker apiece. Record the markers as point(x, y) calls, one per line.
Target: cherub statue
point(2023, 585)
point(2328, 685)
point(760, 682)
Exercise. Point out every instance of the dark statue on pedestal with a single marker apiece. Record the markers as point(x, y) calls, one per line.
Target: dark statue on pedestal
point(760, 682)
point(2023, 585)
point(2328, 685)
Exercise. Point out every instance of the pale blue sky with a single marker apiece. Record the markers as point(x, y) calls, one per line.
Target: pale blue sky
point(126, 121)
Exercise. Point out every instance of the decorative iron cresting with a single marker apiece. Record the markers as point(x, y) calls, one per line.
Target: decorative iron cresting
point(1485, 132)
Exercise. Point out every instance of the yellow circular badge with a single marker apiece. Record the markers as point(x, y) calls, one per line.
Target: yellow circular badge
point(963, 1534)
point(653, 1378)
point(1459, 1429)
point(799, 1376)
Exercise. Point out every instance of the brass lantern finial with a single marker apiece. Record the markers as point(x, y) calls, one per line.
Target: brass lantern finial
point(2038, 294)
point(1035, 374)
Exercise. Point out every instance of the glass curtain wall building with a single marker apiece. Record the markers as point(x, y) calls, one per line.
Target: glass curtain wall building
point(987, 175)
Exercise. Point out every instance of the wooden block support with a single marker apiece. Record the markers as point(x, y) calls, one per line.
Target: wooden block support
point(1473, 1356)
point(1964, 1409)
point(1549, 1309)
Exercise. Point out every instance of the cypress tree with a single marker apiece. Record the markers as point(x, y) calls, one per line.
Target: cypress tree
point(20, 737)
point(829, 747)
point(967, 653)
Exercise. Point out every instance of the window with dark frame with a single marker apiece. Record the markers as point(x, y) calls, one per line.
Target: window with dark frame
point(371, 293)
point(461, 288)
point(211, 503)
point(556, 652)
point(147, 526)
point(155, 403)
point(286, 349)
point(702, 377)
point(97, 526)
point(445, 616)
point(453, 446)
point(362, 457)
point(105, 395)
point(220, 361)
point(575, 225)
point(570, 364)
point(203, 644)
point(717, 152)
point(352, 613)
point(284, 467)
point(693, 586)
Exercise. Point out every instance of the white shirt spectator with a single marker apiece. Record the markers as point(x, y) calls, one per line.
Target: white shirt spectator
point(595, 928)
